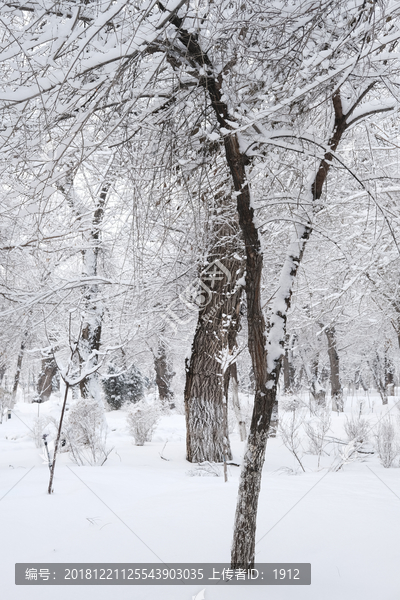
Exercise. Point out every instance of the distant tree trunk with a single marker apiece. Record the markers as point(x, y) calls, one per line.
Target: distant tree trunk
point(45, 379)
point(236, 402)
point(164, 375)
point(378, 374)
point(396, 322)
point(289, 372)
point(310, 369)
point(389, 372)
point(17, 375)
point(336, 387)
point(287, 382)
point(357, 378)
point(287, 388)
point(3, 369)
point(214, 341)
point(317, 390)
point(363, 384)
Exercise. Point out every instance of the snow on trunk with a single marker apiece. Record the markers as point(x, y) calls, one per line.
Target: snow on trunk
point(271, 350)
point(236, 402)
point(93, 316)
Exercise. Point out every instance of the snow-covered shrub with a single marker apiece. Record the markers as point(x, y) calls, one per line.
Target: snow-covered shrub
point(142, 419)
point(387, 442)
point(289, 426)
point(47, 425)
point(316, 430)
point(357, 429)
point(205, 469)
point(38, 428)
point(290, 402)
point(85, 432)
point(125, 386)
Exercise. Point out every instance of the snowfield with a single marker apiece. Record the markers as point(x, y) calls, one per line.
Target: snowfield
point(141, 508)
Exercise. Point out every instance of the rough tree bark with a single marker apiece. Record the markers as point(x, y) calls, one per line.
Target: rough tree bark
point(287, 370)
point(3, 369)
point(389, 371)
point(45, 379)
point(336, 387)
point(164, 374)
point(378, 374)
point(213, 344)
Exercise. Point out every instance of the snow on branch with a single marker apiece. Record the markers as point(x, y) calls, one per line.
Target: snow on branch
point(371, 108)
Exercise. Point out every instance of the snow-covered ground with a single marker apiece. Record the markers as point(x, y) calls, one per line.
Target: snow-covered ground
point(141, 508)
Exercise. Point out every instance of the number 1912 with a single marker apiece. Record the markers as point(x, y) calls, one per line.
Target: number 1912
point(286, 573)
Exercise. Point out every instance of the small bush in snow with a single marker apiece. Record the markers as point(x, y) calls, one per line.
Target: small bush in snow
point(357, 429)
point(142, 419)
point(85, 432)
point(290, 402)
point(39, 425)
point(289, 425)
point(205, 469)
point(386, 441)
point(316, 430)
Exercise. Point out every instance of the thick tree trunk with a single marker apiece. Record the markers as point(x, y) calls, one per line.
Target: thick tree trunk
point(214, 341)
point(45, 379)
point(164, 375)
point(336, 388)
